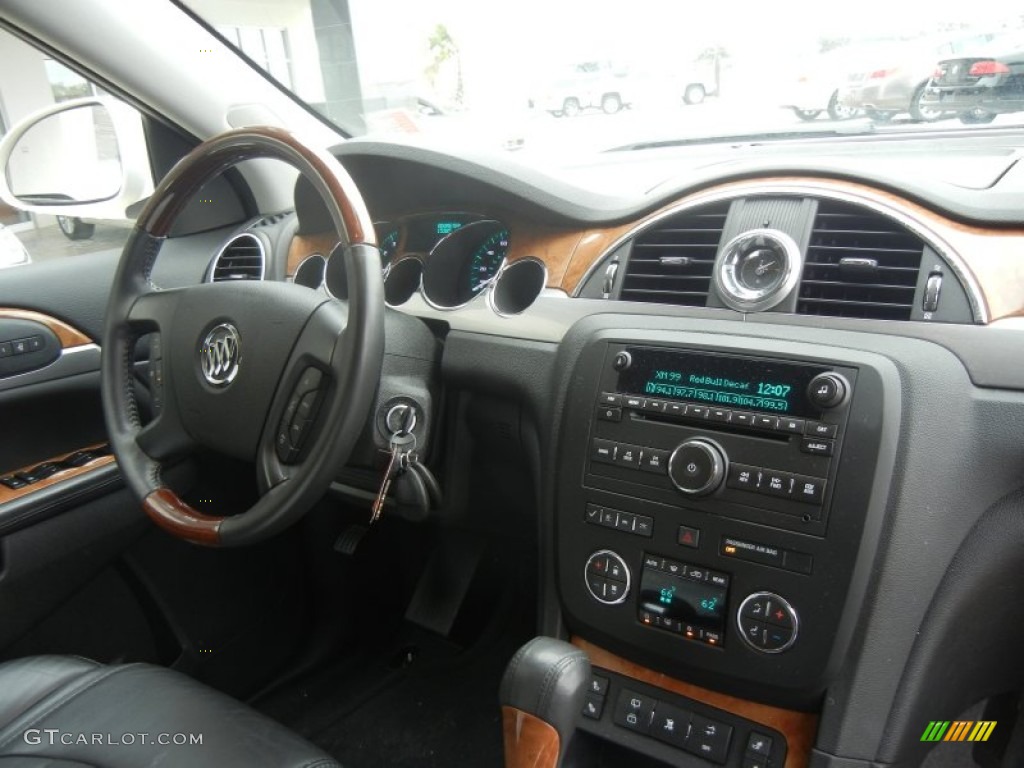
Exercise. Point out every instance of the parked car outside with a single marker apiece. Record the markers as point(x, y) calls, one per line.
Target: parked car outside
point(12, 252)
point(815, 88)
point(980, 86)
point(894, 82)
point(590, 85)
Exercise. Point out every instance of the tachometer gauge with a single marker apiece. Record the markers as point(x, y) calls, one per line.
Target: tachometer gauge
point(487, 260)
point(388, 246)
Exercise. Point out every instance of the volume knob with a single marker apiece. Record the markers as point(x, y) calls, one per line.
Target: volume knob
point(697, 466)
point(827, 390)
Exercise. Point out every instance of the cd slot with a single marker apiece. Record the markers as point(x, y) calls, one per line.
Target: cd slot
point(721, 425)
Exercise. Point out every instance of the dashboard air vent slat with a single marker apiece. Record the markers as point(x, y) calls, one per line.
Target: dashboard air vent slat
point(859, 264)
point(241, 258)
point(672, 262)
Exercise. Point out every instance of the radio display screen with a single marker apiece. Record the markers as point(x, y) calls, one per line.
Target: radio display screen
point(684, 602)
point(720, 380)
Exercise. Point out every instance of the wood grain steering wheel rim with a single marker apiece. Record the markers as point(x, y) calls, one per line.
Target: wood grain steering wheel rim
point(283, 330)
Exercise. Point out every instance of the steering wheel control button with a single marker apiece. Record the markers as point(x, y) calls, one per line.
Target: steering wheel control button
point(634, 711)
point(299, 414)
point(697, 467)
point(827, 390)
point(767, 622)
point(607, 577)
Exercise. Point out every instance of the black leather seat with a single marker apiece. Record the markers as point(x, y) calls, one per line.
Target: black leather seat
point(65, 712)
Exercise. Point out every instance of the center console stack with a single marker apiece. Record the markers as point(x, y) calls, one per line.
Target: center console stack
point(711, 512)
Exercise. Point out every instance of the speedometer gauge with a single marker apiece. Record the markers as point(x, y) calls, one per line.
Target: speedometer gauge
point(464, 263)
point(487, 260)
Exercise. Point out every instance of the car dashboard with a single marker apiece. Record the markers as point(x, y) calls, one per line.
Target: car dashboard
point(775, 409)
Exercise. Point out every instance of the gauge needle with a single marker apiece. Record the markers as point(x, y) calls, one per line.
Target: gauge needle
point(764, 268)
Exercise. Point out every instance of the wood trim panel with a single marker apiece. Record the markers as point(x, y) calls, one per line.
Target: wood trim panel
point(11, 494)
point(552, 246)
point(799, 728)
point(992, 256)
point(176, 517)
point(68, 336)
point(304, 246)
point(529, 741)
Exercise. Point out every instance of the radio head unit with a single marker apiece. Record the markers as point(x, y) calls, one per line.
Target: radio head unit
point(721, 380)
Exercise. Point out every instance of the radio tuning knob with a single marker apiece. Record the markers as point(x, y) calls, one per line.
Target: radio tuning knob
point(697, 466)
point(622, 361)
point(827, 390)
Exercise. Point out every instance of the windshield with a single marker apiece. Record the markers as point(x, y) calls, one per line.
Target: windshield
point(552, 78)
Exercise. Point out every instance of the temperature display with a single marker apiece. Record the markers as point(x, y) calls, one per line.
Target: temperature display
point(691, 603)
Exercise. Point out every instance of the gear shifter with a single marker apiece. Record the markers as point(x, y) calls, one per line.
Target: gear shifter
point(541, 694)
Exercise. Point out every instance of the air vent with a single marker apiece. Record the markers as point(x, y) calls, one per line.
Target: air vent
point(274, 218)
point(859, 264)
point(242, 258)
point(671, 263)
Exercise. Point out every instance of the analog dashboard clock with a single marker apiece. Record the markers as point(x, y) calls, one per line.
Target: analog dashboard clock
point(757, 269)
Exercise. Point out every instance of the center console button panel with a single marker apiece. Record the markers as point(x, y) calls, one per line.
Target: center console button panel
point(728, 478)
point(670, 724)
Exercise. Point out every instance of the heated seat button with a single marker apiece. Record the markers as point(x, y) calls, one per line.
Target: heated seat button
point(5, 349)
point(593, 706)
point(598, 685)
point(759, 744)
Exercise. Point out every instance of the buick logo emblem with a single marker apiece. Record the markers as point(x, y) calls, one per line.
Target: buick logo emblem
point(219, 355)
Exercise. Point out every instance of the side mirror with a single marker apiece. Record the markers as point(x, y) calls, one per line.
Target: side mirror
point(81, 158)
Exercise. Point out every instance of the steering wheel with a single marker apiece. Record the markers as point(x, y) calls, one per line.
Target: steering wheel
point(267, 372)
